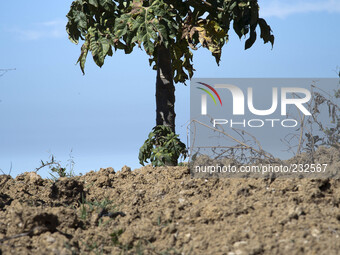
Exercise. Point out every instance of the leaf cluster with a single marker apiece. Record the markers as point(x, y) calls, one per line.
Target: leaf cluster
point(163, 147)
point(180, 25)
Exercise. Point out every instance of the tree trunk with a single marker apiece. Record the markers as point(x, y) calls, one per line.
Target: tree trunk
point(165, 90)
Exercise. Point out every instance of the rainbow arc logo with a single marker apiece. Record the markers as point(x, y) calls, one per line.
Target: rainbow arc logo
point(209, 93)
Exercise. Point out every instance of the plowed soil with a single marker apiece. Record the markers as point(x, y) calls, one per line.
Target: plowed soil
point(163, 211)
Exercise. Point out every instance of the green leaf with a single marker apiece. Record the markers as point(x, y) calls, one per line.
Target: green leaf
point(251, 40)
point(108, 5)
point(237, 29)
point(105, 46)
point(148, 45)
point(94, 3)
point(82, 57)
point(266, 32)
point(81, 21)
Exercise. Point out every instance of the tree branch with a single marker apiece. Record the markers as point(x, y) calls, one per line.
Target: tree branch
point(3, 71)
point(210, 5)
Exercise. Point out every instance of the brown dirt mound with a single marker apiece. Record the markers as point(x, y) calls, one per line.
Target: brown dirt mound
point(163, 211)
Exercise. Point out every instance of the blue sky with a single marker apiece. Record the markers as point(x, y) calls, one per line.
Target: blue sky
point(48, 107)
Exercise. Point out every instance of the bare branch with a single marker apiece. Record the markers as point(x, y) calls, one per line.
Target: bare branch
point(4, 71)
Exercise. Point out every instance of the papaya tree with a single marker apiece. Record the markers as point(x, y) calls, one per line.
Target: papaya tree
point(168, 30)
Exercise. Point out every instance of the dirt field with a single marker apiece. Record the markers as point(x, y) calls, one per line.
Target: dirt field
point(163, 211)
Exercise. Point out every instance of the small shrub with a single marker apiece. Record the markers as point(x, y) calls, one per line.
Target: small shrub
point(104, 206)
point(115, 237)
point(56, 168)
point(163, 147)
